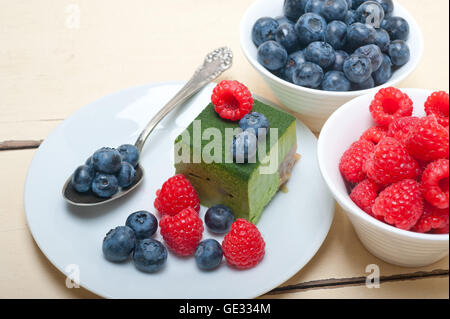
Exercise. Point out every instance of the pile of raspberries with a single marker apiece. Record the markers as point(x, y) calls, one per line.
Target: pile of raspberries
point(398, 170)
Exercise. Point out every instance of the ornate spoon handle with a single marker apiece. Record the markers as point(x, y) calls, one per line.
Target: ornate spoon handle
point(214, 65)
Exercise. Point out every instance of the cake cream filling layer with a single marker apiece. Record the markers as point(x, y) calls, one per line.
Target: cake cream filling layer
point(286, 166)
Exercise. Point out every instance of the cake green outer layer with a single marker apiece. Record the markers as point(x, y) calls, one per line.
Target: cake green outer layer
point(242, 187)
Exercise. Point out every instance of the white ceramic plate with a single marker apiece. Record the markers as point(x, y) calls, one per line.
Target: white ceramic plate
point(294, 225)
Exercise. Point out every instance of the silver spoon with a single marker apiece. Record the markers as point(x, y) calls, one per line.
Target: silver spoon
point(213, 66)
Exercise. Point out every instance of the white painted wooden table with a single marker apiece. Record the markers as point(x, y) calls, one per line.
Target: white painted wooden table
point(52, 63)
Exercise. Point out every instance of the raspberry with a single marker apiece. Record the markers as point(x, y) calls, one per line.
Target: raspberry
point(432, 219)
point(352, 161)
point(391, 163)
point(374, 134)
point(437, 105)
point(428, 141)
point(182, 232)
point(243, 247)
point(175, 195)
point(401, 204)
point(364, 195)
point(390, 104)
point(232, 100)
point(435, 183)
point(400, 128)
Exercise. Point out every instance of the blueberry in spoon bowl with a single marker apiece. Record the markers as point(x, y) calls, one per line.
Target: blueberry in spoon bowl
point(112, 173)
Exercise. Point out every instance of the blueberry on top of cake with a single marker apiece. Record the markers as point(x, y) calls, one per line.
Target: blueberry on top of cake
point(238, 151)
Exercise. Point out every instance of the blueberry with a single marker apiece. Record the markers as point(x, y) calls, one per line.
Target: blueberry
point(388, 7)
point(107, 160)
point(244, 147)
point(129, 154)
point(336, 34)
point(336, 81)
point(149, 255)
point(320, 53)
point(329, 9)
point(219, 218)
point(293, 9)
point(373, 52)
point(208, 254)
point(126, 174)
point(397, 27)
point(357, 68)
point(382, 40)
point(272, 55)
point(359, 34)
point(143, 223)
point(357, 3)
point(370, 12)
point(384, 73)
point(399, 52)
point(89, 163)
point(256, 122)
point(264, 30)
point(335, 10)
point(309, 75)
point(315, 6)
point(118, 244)
point(282, 19)
point(287, 37)
point(350, 18)
point(341, 56)
point(105, 185)
point(310, 27)
point(82, 178)
point(367, 84)
point(294, 60)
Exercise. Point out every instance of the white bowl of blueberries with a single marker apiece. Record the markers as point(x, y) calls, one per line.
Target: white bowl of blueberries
point(316, 55)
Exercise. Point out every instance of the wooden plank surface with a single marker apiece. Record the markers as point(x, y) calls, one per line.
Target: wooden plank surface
point(49, 70)
point(405, 289)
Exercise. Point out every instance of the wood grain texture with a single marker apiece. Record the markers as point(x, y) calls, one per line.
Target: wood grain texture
point(19, 145)
point(358, 281)
point(50, 70)
point(409, 289)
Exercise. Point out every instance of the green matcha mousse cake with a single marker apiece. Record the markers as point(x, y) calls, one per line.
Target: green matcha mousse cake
point(245, 188)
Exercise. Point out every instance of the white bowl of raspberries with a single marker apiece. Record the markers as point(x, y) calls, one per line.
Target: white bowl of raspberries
point(385, 158)
point(316, 55)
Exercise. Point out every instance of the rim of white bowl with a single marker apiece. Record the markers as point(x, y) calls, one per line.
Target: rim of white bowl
point(411, 65)
point(344, 198)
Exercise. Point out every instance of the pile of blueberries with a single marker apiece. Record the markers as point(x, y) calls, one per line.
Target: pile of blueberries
point(333, 45)
point(254, 126)
point(150, 255)
point(107, 170)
